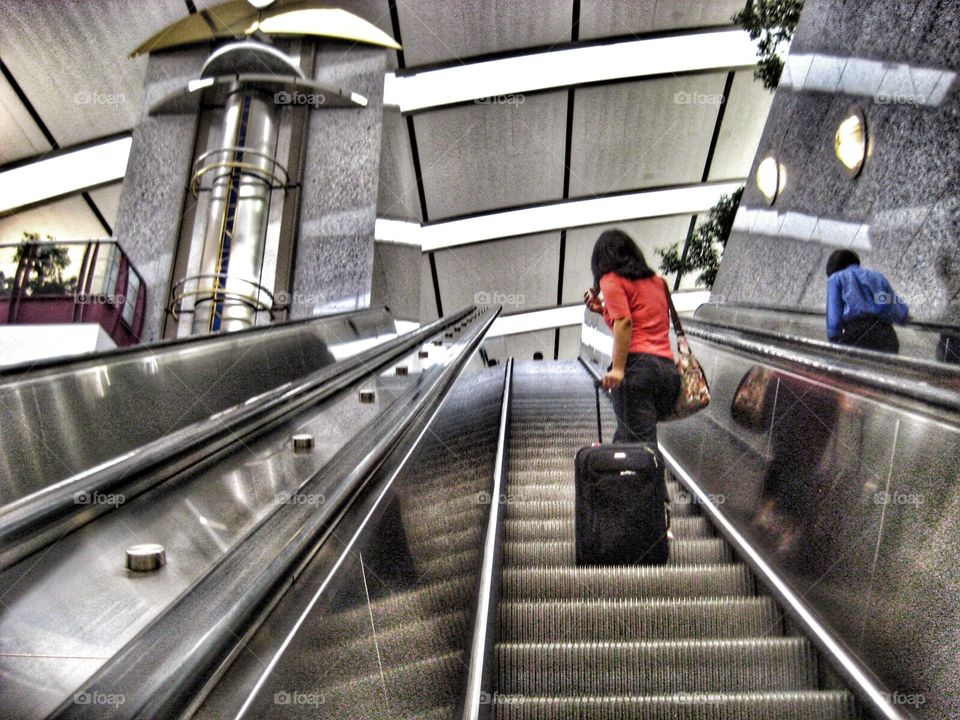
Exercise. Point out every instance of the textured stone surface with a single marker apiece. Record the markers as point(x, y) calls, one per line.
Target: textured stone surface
point(154, 188)
point(907, 192)
point(333, 267)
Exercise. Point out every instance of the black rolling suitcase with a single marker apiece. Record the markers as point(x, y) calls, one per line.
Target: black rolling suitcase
point(620, 512)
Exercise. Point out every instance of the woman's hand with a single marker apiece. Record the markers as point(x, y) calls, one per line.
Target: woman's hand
point(592, 301)
point(612, 380)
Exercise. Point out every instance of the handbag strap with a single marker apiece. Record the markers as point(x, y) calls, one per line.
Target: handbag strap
point(674, 315)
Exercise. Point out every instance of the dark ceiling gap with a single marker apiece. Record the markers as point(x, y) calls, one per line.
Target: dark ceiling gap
point(714, 139)
point(417, 168)
point(191, 8)
point(48, 136)
point(567, 156)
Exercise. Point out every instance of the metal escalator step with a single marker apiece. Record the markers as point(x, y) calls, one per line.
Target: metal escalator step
point(685, 527)
point(706, 551)
point(618, 620)
point(560, 509)
point(405, 643)
point(540, 491)
point(401, 608)
point(802, 705)
point(452, 565)
point(634, 581)
point(400, 690)
point(656, 667)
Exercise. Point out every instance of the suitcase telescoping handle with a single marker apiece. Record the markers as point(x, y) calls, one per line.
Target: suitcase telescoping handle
point(596, 389)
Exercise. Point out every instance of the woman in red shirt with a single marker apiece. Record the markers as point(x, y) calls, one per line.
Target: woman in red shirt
point(642, 379)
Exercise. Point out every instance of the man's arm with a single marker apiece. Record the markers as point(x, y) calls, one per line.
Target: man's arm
point(834, 308)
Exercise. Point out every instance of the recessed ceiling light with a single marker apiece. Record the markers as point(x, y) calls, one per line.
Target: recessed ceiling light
point(850, 143)
point(260, 4)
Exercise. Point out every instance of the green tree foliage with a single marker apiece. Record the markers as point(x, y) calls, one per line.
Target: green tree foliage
point(771, 22)
point(706, 244)
point(49, 262)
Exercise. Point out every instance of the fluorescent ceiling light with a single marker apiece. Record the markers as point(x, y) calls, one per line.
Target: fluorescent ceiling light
point(536, 320)
point(575, 213)
point(559, 68)
point(397, 232)
point(804, 227)
point(64, 174)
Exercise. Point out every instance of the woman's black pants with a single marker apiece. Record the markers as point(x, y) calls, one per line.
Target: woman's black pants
point(648, 393)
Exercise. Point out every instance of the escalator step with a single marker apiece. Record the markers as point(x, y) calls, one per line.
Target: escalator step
point(707, 551)
point(803, 705)
point(685, 527)
point(618, 620)
point(656, 667)
point(559, 509)
point(677, 581)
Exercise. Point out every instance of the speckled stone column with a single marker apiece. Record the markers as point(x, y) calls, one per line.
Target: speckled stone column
point(333, 266)
point(156, 182)
point(899, 62)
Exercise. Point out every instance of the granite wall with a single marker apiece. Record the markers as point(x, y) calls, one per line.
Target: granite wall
point(156, 183)
point(898, 61)
point(333, 266)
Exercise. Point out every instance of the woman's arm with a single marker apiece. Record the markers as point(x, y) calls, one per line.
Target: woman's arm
point(622, 332)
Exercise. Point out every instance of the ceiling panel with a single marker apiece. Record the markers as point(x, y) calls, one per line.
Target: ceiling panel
point(489, 156)
point(107, 200)
point(648, 234)
point(569, 343)
point(397, 195)
point(440, 30)
point(519, 273)
point(743, 122)
point(612, 18)
point(428, 303)
point(643, 134)
point(19, 135)
point(67, 219)
point(521, 346)
point(70, 58)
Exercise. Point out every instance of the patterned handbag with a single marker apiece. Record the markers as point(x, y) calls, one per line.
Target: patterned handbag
point(694, 391)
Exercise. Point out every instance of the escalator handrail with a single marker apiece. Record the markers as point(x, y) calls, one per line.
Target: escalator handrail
point(169, 664)
point(479, 682)
point(873, 378)
point(886, 359)
point(868, 688)
point(21, 371)
point(34, 520)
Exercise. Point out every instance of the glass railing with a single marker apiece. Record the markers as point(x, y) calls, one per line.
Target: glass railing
point(74, 281)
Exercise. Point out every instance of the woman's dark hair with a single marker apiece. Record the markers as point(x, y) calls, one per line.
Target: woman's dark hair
point(840, 260)
point(615, 251)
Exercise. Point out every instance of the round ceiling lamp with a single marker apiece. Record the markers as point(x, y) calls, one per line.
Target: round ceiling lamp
point(771, 178)
point(850, 143)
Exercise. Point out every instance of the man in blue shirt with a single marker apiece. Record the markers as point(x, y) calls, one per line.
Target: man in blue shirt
point(861, 305)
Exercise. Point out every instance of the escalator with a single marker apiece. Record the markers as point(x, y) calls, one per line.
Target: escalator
point(417, 564)
point(693, 639)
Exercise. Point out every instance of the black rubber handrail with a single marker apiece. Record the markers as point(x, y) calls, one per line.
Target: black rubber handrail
point(37, 519)
point(161, 672)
